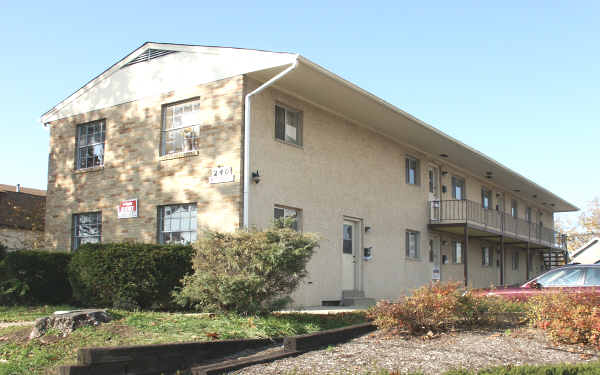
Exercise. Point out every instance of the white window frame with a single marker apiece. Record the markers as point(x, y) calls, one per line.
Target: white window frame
point(190, 141)
point(77, 239)
point(412, 244)
point(455, 259)
point(280, 211)
point(486, 256)
point(186, 225)
point(412, 165)
point(90, 144)
point(282, 134)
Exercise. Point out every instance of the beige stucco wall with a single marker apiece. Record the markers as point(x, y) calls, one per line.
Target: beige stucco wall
point(133, 167)
point(18, 239)
point(341, 170)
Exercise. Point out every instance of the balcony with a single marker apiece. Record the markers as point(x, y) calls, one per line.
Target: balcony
point(484, 222)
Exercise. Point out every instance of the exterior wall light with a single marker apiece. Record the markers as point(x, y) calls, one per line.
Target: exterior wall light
point(256, 177)
point(367, 228)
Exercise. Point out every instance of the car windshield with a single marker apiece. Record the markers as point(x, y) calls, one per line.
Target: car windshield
point(562, 277)
point(592, 277)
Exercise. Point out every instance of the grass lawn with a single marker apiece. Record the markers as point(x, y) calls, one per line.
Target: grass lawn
point(18, 355)
point(26, 313)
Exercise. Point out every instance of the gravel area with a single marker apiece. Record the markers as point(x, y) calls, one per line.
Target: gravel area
point(467, 350)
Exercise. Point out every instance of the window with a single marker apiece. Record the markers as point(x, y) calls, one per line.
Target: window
point(457, 252)
point(444, 259)
point(513, 208)
point(515, 260)
point(412, 171)
point(431, 253)
point(281, 212)
point(412, 244)
point(87, 228)
point(528, 214)
point(458, 188)
point(90, 144)
point(181, 127)
point(486, 257)
point(486, 198)
point(177, 223)
point(288, 125)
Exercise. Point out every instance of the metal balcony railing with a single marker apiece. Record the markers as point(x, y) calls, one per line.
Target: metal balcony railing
point(469, 212)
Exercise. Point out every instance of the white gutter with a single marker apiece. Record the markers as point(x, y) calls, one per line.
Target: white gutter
point(247, 123)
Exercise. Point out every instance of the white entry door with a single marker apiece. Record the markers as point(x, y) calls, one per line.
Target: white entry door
point(350, 254)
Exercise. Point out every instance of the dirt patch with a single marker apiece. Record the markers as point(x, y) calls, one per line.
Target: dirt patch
point(470, 350)
point(18, 335)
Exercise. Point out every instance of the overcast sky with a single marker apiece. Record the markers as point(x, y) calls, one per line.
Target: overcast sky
point(518, 82)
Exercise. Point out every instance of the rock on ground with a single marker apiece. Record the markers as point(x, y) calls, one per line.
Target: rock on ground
point(68, 321)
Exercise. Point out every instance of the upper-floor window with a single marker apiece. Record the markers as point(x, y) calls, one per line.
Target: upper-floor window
point(433, 180)
point(528, 216)
point(177, 223)
point(513, 208)
point(458, 188)
point(282, 212)
point(412, 171)
point(486, 198)
point(288, 125)
point(457, 252)
point(90, 144)
point(431, 252)
point(412, 244)
point(181, 127)
point(87, 228)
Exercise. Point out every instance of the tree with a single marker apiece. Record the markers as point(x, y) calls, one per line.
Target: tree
point(585, 228)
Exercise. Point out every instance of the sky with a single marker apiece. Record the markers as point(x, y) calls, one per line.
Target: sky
point(517, 80)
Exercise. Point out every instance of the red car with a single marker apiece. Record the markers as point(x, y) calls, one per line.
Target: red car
point(567, 279)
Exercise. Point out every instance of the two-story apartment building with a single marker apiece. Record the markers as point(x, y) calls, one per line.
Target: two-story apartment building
point(176, 138)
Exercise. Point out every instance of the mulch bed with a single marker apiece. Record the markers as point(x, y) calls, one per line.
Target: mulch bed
point(430, 355)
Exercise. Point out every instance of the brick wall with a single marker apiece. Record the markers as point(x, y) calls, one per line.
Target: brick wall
point(133, 167)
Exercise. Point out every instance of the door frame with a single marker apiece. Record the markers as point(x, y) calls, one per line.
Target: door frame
point(358, 257)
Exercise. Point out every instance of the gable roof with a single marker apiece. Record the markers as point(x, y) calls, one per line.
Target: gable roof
point(156, 68)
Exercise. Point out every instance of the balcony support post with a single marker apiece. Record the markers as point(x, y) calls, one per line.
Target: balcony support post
point(528, 261)
point(465, 257)
point(502, 260)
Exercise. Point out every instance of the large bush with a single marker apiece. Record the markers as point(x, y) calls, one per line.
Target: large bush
point(247, 271)
point(128, 275)
point(568, 318)
point(439, 307)
point(34, 277)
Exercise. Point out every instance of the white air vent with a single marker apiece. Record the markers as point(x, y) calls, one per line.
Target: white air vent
point(148, 55)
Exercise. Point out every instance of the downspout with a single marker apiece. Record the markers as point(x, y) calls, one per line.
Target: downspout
point(247, 123)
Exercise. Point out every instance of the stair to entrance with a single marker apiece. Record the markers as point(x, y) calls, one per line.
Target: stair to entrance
point(356, 298)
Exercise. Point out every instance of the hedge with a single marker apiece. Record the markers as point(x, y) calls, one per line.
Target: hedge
point(128, 275)
point(34, 277)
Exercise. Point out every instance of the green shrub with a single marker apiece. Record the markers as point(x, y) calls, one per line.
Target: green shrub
point(128, 275)
point(34, 277)
point(247, 271)
point(3, 251)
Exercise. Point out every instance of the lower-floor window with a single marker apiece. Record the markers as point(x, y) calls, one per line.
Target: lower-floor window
point(177, 223)
point(457, 252)
point(87, 228)
point(281, 212)
point(486, 257)
point(412, 244)
point(515, 260)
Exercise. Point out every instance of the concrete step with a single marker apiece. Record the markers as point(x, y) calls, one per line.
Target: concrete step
point(358, 301)
point(352, 294)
